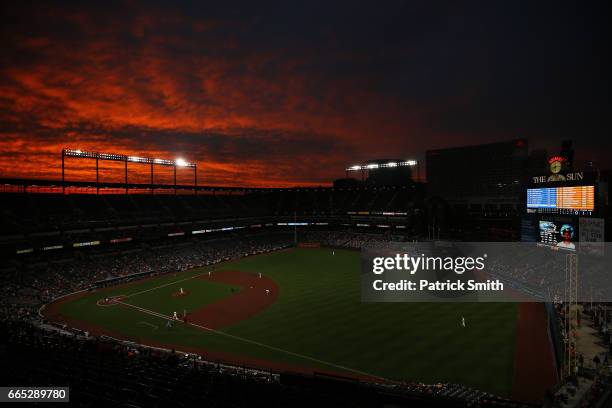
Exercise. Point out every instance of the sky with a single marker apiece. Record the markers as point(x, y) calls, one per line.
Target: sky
point(292, 93)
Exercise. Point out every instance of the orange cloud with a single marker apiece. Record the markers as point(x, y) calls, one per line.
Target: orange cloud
point(164, 84)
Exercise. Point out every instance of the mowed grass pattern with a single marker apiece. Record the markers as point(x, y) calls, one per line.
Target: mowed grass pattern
point(319, 314)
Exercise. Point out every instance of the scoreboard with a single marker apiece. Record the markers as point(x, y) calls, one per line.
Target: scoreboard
point(575, 200)
point(559, 209)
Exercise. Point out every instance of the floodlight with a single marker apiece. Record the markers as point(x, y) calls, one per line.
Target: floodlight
point(79, 154)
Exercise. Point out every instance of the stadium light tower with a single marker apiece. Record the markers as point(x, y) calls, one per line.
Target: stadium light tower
point(79, 154)
point(390, 164)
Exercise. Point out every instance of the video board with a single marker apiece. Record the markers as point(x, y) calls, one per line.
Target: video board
point(575, 200)
point(557, 234)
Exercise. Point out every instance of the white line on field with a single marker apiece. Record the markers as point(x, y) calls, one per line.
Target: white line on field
point(152, 313)
point(153, 326)
point(164, 285)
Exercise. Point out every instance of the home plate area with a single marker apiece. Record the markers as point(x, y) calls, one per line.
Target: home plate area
point(110, 301)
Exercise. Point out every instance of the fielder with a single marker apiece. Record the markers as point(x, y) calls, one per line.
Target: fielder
point(463, 321)
point(175, 316)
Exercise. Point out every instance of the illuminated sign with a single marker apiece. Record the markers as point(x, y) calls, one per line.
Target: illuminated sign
point(559, 159)
point(558, 177)
point(559, 172)
point(386, 213)
point(25, 251)
point(84, 244)
point(591, 235)
point(558, 235)
point(117, 240)
point(562, 200)
point(556, 165)
point(48, 248)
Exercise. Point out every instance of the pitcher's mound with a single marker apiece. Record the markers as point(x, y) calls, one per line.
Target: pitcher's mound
point(180, 293)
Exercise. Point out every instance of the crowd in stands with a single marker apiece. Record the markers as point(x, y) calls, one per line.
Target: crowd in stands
point(596, 374)
point(346, 239)
point(529, 273)
point(25, 289)
point(101, 371)
point(541, 273)
point(600, 315)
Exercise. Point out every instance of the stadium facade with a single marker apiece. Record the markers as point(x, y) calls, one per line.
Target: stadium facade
point(481, 180)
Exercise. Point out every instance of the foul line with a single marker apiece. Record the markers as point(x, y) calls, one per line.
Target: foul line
point(153, 326)
point(152, 313)
point(164, 285)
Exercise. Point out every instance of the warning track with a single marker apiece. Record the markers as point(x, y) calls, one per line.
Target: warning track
point(534, 367)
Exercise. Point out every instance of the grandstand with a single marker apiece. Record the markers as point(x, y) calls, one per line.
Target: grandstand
point(57, 244)
point(101, 371)
point(40, 219)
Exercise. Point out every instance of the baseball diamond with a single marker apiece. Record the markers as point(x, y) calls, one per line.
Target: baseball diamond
point(312, 320)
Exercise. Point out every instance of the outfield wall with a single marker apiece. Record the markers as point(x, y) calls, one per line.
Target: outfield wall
point(556, 338)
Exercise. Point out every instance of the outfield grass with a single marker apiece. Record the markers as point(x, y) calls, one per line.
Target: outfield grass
point(319, 314)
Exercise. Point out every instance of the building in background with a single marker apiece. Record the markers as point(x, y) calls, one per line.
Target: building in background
point(481, 181)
